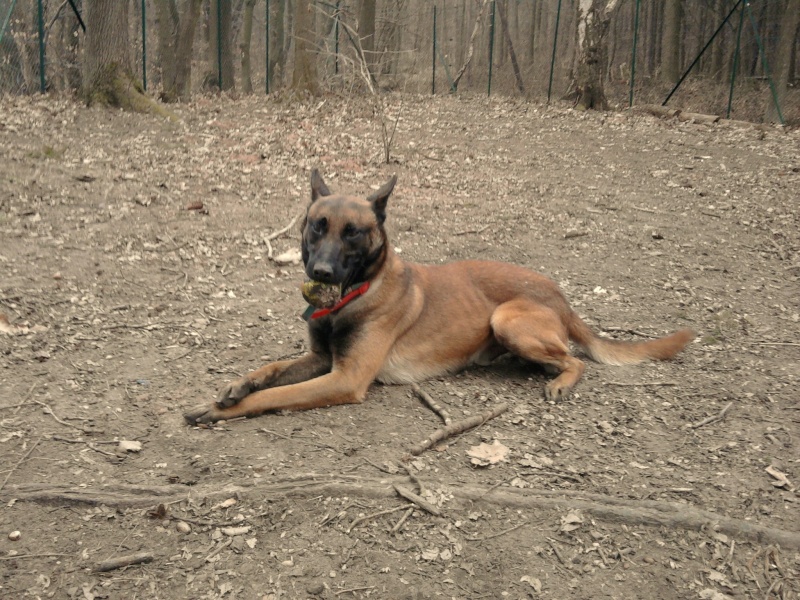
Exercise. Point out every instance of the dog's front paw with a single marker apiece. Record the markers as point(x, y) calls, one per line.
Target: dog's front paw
point(234, 392)
point(556, 391)
point(203, 414)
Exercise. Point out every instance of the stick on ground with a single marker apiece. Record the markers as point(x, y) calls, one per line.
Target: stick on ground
point(434, 406)
point(457, 427)
point(418, 500)
point(713, 418)
point(123, 561)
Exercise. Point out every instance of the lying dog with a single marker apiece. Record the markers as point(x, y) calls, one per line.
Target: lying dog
point(398, 322)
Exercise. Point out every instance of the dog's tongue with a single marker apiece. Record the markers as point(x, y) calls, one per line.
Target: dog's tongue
point(321, 295)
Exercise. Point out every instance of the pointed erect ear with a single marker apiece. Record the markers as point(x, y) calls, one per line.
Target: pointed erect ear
point(381, 197)
point(318, 187)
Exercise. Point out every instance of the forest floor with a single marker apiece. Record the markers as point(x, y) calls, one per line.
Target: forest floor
point(135, 282)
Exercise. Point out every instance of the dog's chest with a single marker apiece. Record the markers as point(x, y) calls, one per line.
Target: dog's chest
point(400, 368)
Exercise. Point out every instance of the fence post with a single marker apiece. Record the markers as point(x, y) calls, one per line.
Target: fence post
point(735, 62)
point(40, 19)
point(144, 45)
point(553, 58)
point(336, 44)
point(433, 55)
point(266, 46)
point(633, 57)
point(491, 48)
point(219, 44)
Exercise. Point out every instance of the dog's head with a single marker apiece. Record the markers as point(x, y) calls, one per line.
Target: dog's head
point(343, 237)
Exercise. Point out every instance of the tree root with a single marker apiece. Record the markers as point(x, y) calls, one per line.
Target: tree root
point(113, 87)
point(600, 506)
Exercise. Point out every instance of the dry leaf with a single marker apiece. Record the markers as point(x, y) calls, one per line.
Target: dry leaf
point(290, 257)
point(484, 455)
point(130, 446)
point(782, 479)
point(534, 582)
point(572, 521)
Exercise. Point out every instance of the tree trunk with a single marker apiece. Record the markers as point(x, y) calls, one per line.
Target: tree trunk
point(220, 73)
point(247, 33)
point(670, 45)
point(277, 57)
point(594, 17)
point(108, 75)
point(168, 26)
point(304, 74)
point(783, 59)
point(366, 32)
point(471, 48)
point(501, 9)
point(175, 44)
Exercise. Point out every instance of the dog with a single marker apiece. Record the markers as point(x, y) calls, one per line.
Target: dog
point(399, 322)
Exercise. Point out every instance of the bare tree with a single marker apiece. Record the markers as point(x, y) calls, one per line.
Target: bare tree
point(783, 62)
point(501, 9)
point(304, 75)
point(108, 74)
point(366, 31)
point(247, 34)
point(594, 17)
point(671, 41)
point(175, 45)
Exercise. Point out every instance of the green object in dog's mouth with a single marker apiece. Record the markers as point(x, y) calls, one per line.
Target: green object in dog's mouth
point(321, 295)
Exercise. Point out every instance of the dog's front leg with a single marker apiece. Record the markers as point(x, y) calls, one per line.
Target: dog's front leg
point(336, 387)
point(282, 372)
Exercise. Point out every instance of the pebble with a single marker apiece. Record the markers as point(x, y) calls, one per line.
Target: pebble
point(183, 527)
point(14, 536)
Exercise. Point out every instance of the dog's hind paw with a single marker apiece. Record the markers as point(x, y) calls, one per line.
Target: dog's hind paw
point(201, 415)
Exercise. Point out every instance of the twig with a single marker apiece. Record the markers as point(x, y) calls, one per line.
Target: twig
point(351, 590)
point(219, 549)
point(641, 383)
point(774, 343)
point(456, 428)
point(24, 399)
point(498, 534)
point(19, 462)
point(373, 515)
point(402, 520)
point(434, 406)
point(17, 556)
point(476, 231)
point(123, 561)
point(418, 500)
point(279, 233)
point(643, 209)
point(50, 412)
point(630, 331)
point(713, 418)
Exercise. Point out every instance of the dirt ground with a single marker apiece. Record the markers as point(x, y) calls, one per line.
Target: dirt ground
point(124, 303)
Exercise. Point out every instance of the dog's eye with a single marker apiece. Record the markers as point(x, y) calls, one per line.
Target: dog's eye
point(318, 227)
point(350, 232)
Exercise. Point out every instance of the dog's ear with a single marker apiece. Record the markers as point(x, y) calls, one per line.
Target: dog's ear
point(318, 187)
point(381, 197)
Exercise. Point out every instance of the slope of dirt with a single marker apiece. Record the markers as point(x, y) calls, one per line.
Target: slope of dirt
point(135, 281)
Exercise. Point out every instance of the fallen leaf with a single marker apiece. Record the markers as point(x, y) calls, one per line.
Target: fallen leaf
point(484, 454)
point(572, 521)
point(130, 446)
point(534, 582)
point(782, 479)
point(712, 594)
point(290, 257)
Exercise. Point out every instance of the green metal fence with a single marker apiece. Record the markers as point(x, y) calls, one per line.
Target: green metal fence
point(520, 47)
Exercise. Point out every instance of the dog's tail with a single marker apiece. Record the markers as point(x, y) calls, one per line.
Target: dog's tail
point(613, 352)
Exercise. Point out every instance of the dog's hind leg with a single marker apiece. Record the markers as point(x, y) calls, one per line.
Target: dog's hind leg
point(536, 333)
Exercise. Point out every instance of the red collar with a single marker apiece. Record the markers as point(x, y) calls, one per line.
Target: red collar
point(362, 289)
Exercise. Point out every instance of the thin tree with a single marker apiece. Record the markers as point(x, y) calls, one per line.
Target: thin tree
point(786, 41)
point(501, 9)
point(247, 34)
point(366, 31)
point(304, 74)
point(671, 41)
point(175, 45)
point(594, 17)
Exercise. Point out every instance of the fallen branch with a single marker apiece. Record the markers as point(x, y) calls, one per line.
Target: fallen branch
point(601, 506)
point(123, 561)
point(713, 418)
point(432, 404)
point(418, 500)
point(456, 428)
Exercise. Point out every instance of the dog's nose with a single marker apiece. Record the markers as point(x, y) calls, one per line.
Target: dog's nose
point(323, 272)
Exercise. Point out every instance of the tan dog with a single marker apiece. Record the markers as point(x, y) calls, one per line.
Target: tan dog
point(400, 322)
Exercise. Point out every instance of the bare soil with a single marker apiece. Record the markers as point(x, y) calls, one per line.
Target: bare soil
point(127, 303)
